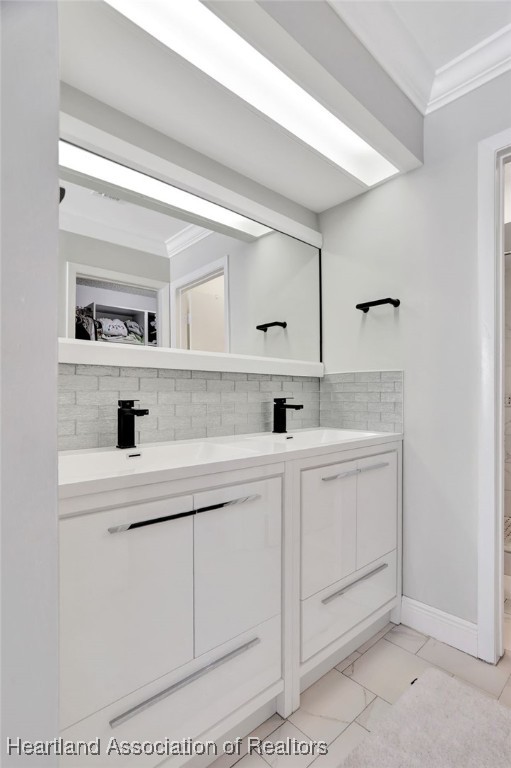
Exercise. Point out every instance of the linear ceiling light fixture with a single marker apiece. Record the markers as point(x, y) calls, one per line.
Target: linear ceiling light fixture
point(77, 159)
point(197, 35)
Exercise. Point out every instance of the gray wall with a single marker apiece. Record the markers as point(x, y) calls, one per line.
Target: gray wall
point(28, 377)
point(415, 238)
point(183, 405)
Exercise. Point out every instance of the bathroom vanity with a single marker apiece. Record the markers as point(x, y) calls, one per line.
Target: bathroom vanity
point(204, 583)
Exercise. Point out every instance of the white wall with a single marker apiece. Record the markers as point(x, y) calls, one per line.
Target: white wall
point(273, 278)
point(28, 376)
point(415, 238)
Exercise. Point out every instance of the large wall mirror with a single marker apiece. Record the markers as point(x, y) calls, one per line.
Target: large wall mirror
point(145, 264)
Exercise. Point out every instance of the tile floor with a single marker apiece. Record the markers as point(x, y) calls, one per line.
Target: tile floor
point(342, 707)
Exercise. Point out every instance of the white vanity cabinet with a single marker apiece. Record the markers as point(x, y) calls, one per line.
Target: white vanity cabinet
point(194, 601)
point(170, 613)
point(126, 601)
point(349, 540)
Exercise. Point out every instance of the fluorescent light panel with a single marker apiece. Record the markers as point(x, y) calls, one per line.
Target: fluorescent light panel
point(195, 33)
point(80, 160)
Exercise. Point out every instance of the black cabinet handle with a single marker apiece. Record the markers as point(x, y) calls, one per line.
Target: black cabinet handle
point(153, 521)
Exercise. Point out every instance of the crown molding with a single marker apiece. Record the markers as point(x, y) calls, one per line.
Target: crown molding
point(381, 31)
point(185, 238)
point(477, 66)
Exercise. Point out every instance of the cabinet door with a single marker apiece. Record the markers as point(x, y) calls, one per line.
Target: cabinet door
point(329, 500)
point(376, 507)
point(237, 545)
point(126, 601)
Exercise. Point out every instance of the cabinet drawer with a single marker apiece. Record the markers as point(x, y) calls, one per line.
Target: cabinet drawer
point(185, 704)
point(126, 601)
point(237, 556)
point(337, 609)
point(329, 525)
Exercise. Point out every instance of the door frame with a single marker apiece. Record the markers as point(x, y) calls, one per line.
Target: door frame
point(198, 276)
point(490, 267)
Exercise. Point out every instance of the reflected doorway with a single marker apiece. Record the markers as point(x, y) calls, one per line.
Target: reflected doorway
point(200, 311)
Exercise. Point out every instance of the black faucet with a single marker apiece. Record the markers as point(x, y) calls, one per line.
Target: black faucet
point(279, 413)
point(126, 423)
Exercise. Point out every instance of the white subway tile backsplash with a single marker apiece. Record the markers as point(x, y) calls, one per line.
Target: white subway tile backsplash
point(67, 369)
point(209, 375)
point(174, 398)
point(183, 404)
point(192, 404)
point(190, 385)
point(97, 370)
point(363, 400)
point(77, 383)
point(158, 385)
point(117, 383)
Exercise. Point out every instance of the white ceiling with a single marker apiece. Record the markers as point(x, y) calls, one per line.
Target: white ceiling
point(444, 30)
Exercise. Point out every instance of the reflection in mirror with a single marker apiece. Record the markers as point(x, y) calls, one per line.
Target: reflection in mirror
point(136, 271)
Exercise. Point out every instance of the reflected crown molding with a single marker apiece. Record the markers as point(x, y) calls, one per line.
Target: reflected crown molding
point(185, 238)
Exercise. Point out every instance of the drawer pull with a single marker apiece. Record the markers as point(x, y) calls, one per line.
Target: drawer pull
point(241, 500)
point(374, 466)
point(143, 523)
point(354, 583)
point(349, 473)
point(138, 708)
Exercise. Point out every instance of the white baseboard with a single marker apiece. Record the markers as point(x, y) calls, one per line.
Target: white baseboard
point(442, 626)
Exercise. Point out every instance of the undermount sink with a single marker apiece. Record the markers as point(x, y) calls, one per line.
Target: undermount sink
point(106, 462)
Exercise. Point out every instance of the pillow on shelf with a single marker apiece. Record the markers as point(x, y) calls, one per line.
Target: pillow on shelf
point(114, 327)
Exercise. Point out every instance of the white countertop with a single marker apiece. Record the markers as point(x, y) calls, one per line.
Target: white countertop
point(96, 469)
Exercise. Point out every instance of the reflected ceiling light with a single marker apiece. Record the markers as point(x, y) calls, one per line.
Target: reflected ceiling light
point(197, 35)
point(77, 159)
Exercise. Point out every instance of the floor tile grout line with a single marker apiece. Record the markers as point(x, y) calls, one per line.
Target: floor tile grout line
point(294, 726)
point(367, 689)
point(284, 720)
point(495, 697)
point(364, 710)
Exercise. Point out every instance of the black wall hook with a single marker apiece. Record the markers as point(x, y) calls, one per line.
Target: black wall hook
point(368, 304)
point(264, 327)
